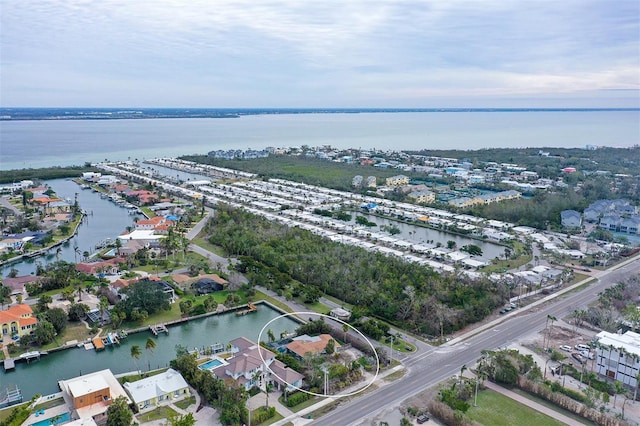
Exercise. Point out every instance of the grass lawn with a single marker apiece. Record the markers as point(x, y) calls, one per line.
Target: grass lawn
point(261, 296)
point(495, 409)
point(159, 413)
point(185, 403)
point(200, 241)
point(73, 331)
point(502, 265)
point(272, 420)
point(304, 404)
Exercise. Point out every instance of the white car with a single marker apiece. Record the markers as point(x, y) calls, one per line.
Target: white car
point(566, 348)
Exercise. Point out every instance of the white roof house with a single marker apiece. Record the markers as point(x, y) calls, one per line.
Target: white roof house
point(151, 391)
point(618, 356)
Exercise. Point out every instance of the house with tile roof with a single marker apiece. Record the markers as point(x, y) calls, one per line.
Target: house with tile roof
point(109, 266)
point(18, 284)
point(249, 369)
point(304, 346)
point(17, 320)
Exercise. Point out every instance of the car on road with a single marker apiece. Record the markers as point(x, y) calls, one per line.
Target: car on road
point(422, 418)
point(565, 348)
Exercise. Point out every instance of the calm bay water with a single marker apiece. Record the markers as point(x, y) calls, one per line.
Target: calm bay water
point(42, 376)
point(33, 144)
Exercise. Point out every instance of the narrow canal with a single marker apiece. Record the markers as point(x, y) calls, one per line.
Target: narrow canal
point(105, 220)
point(422, 235)
point(42, 376)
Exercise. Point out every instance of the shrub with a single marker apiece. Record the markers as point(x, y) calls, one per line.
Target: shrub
point(297, 398)
point(262, 414)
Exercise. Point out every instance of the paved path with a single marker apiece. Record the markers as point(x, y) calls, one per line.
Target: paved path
point(532, 404)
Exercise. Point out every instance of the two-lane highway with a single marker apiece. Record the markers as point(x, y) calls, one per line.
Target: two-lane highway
point(434, 365)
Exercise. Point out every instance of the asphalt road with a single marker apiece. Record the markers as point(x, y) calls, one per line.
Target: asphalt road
point(433, 365)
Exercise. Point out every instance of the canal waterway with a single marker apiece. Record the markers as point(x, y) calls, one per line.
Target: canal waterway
point(42, 376)
point(104, 219)
point(430, 237)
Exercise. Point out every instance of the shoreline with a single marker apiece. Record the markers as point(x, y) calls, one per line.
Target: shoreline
point(76, 344)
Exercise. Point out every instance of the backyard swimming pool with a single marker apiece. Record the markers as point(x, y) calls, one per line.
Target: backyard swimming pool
point(210, 365)
point(63, 418)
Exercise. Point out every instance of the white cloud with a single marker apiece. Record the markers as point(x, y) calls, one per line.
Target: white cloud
point(219, 53)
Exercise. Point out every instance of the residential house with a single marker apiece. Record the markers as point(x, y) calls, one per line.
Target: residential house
point(108, 267)
point(303, 346)
point(18, 284)
point(210, 284)
point(249, 369)
point(163, 388)
point(370, 182)
point(397, 180)
point(618, 356)
point(18, 320)
point(571, 219)
point(91, 395)
point(357, 181)
point(422, 196)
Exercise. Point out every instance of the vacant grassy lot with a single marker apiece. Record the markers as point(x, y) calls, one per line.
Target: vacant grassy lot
point(495, 410)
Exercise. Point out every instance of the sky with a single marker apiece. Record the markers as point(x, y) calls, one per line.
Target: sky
point(320, 53)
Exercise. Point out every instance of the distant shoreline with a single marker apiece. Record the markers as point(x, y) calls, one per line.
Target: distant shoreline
point(49, 114)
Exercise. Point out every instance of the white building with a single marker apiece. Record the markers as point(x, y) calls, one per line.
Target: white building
point(618, 356)
point(164, 388)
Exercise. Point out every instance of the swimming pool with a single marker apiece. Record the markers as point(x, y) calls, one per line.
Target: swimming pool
point(64, 417)
point(210, 365)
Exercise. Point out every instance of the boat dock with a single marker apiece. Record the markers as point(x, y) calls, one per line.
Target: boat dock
point(251, 308)
point(97, 343)
point(10, 395)
point(158, 328)
point(9, 364)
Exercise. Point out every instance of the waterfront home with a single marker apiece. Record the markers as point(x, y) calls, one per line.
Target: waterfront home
point(305, 345)
point(109, 266)
point(249, 369)
point(163, 388)
point(18, 321)
point(116, 286)
point(90, 395)
point(422, 196)
point(153, 223)
point(210, 284)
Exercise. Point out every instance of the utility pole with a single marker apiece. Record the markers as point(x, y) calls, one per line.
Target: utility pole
point(475, 399)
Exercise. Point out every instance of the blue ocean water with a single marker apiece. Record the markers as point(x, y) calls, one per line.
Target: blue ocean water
point(43, 143)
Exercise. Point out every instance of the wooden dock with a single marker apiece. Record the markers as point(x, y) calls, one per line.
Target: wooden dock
point(97, 343)
point(251, 308)
point(158, 328)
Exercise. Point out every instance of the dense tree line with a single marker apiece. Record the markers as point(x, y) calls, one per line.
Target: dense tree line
point(411, 295)
point(8, 176)
point(539, 211)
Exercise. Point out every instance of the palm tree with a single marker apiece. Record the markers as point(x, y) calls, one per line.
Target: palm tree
point(136, 352)
point(271, 336)
point(345, 328)
point(550, 318)
point(150, 345)
point(462, 370)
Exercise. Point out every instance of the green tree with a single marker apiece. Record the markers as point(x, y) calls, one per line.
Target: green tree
point(136, 352)
point(145, 295)
point(451, 244)
point(176, 419)
point(149, 346)
point(44, 333)
point(58, 318)
point(271, 336)
point(118, 413)
point(330, 347)
point(43, 303)
point(77, 311)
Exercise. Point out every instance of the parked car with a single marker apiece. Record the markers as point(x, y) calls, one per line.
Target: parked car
point(586, 354)
point(565, 348)
point(582, 347)
point(422, 418)
point(578, 358)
